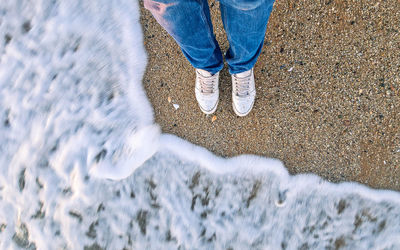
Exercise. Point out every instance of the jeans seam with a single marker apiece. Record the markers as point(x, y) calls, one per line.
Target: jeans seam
point(226, 27)
point(210, 33)
point(226, 21)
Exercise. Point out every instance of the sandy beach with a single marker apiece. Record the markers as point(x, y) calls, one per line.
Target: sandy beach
point(328, 99)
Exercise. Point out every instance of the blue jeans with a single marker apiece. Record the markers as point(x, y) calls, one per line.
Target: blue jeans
point(189, 23)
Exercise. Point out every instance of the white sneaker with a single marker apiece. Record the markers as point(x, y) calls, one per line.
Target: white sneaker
point(243, 92)
point(206, 90)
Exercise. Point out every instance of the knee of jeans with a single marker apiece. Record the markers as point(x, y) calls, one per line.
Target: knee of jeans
point(157, 8)
point(245, 4)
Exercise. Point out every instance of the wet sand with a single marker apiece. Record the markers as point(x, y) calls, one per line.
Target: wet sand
point(328, 98)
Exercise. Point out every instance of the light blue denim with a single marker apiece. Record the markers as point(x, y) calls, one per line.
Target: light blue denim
point(189, 23)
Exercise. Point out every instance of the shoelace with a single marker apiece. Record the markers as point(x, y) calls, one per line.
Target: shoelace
point(206, 84)
point(242, 86)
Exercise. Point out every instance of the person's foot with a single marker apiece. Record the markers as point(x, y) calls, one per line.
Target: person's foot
point(243, 92)
point(206, 90)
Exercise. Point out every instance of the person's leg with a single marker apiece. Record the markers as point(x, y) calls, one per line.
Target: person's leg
point(189, 23)
point(245, 23)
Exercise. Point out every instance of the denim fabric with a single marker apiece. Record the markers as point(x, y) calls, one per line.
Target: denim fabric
point(189, 23)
